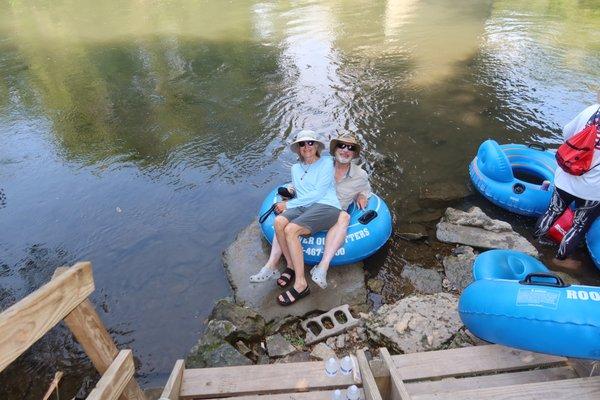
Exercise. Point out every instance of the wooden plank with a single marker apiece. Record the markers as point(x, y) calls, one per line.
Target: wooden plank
point(113, 382)
point(382, 376)
point(485, 381)
point(25, 322)
point(255, 379)
point(469, 360)
point(398, 389)
point(368, 380)
point(568, 389)
point(87, 327)
point(173, 386)
point(315, 395)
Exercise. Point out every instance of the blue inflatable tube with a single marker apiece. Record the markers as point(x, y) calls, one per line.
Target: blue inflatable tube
point(493, 172)
point(506, 264)
point(592, 239)
point(538, 313)
point(362, 240)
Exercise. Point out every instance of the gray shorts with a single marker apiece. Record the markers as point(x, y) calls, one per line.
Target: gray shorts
point(315, 218)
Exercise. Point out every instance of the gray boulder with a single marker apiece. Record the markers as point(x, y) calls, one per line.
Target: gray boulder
point(248, 253)
point(424, 280)
point(322, 352)
point(277, 346)
point(459, 267)
point(416, 323)
point(212, 350)
point(249, 325)
point(475, 228)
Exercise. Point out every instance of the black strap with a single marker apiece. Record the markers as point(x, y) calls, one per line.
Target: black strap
point(266, 214)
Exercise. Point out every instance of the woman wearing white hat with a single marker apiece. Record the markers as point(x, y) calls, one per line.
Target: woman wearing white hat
point(315, 208)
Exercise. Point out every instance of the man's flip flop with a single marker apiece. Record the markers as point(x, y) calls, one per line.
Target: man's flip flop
point(287, 300)
point(264, 275)
point(287, 276)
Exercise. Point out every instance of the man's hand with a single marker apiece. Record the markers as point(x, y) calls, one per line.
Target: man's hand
point(361, 202)
point(281, 207)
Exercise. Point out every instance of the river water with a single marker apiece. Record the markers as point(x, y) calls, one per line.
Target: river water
point(142, 135)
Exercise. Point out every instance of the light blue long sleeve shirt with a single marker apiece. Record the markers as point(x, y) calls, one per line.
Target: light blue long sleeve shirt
point(314, 183)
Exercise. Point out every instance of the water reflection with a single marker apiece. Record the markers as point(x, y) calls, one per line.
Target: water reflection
point(143, 135)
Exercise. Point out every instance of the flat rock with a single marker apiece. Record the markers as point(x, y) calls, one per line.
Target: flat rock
point(416, 323)
point(247, 254)
point(424, 280)
point(475, 228)
point(277, 346)
point(322, 352)
point(459, 267)
point(412, 232)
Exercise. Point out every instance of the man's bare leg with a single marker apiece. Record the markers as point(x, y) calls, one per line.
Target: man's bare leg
point(335, 239)
point(274, 255)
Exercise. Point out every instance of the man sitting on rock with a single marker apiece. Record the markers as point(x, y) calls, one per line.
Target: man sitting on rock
point(352, 185)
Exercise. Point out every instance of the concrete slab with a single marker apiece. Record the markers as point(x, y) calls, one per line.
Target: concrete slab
point(249, 252)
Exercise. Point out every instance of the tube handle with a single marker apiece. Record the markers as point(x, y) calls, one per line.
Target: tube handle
point(536, 146)
point(558, 282)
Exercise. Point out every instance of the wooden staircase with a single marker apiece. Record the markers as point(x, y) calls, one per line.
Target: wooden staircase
point(471, 373)
point(481, 372)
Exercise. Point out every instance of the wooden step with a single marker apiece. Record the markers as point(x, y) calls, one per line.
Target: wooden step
point(470, 360)
point(256, 379)
point(487, 381)
point(567, 389)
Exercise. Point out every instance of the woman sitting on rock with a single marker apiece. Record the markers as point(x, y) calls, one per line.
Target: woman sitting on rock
point(315, 208)
point(351, 186)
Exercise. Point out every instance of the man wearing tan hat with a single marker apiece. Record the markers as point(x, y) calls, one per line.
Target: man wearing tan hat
point(352, 185)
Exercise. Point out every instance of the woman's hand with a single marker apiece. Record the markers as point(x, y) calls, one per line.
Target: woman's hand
point(361, 202)
point(280, 207)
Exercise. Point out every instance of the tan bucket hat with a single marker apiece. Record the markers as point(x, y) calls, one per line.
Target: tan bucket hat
point(348, 138)
point(307, 135)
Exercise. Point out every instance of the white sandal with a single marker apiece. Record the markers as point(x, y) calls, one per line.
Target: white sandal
point(265, 274)
point(319, 276)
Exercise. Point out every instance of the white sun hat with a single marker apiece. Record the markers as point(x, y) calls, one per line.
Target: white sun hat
point(306, 135)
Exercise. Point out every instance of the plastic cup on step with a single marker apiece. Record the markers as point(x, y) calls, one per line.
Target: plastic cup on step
point(331, 367)
point(352, 393)
point(346, 365)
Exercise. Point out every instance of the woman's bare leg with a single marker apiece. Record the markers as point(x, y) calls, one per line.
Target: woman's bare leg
point(293, 233)
point(280, 224)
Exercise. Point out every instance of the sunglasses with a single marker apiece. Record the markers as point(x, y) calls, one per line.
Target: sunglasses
point(343, 146)
point(308, 142)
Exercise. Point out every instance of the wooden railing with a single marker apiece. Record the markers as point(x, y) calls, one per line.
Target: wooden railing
point(65, 297)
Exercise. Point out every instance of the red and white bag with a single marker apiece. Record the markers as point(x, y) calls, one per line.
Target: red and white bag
point(575, 156)
point(561, 226)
